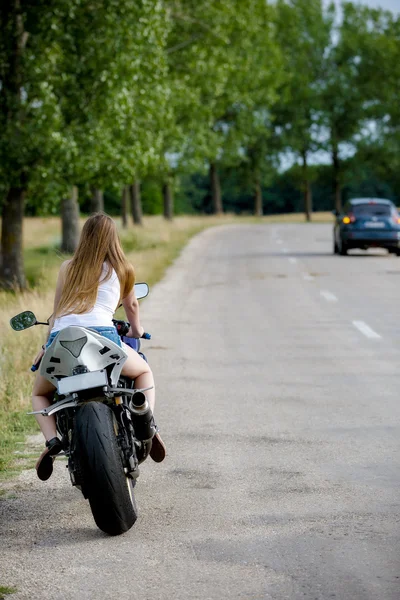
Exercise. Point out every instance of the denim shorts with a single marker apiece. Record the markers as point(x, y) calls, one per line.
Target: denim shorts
point(108, 332)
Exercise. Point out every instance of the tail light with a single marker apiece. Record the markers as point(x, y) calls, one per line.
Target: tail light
point(350, 218)
point(396, 219)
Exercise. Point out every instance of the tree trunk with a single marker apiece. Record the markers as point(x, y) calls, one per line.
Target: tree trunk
point(215, 190)
point(307, 192)
point(12, 274)
point(336, 179)
point(70, 222)
point(258, 201)
point(136, 203)
point(12, 76)
point(124, 206)
point(308, 201)
point(14, 40)
point(97, 203)
point(168, 201)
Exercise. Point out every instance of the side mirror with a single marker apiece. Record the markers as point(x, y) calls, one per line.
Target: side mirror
point(24, 320)
point(141, 290)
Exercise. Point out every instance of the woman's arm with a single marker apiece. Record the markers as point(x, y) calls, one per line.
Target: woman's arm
point(131, 306)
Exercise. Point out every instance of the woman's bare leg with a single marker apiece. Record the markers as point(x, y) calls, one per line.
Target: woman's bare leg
point(42, 395)
point(137, 368)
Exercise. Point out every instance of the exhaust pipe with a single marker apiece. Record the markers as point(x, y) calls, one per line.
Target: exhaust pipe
point(142, 417)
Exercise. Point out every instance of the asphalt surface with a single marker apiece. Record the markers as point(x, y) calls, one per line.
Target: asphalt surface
point(278, 374)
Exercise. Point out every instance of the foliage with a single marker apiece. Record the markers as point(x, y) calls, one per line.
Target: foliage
point(29, 115)
point(304, 31)
point(222, 61)
point(5, 590)
point(105, 92)
point(282, 194)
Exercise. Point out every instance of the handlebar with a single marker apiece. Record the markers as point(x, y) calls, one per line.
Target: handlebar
point(123, 327)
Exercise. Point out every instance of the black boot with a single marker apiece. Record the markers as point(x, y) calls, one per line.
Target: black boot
point(44, 466)
point(158, 450)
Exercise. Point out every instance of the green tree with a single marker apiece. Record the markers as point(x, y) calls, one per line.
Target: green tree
point(239, 131)
point(303, 30)
point(222, 60)
point(29, 114)
point(113, 92)
point(81, 102)
point(349, 104)
point(380, 76)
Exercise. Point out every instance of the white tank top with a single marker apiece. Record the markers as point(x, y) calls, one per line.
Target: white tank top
point(101, 315)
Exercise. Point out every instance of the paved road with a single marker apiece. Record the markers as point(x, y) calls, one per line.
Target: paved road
point(278, 370)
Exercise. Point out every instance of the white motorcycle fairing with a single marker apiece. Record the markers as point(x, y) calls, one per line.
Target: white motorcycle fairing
point(79, 346)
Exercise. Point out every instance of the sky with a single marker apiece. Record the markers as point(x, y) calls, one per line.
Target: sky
point(393, 5)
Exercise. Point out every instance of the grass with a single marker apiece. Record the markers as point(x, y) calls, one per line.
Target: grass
point(151, 249)
point(4, 591)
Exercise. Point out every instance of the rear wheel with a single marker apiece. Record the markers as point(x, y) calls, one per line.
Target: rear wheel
point(109, 491)
point(343, 248)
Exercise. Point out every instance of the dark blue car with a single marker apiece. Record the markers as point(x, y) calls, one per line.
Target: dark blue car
point(367, 223)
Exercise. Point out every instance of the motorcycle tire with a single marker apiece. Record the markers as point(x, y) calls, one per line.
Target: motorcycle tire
point(109, 491)
point(343, 248)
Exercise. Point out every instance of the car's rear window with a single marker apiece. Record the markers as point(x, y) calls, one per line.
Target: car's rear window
point(371, 210)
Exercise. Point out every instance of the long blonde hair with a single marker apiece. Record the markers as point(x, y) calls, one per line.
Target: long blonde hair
point(99, 243)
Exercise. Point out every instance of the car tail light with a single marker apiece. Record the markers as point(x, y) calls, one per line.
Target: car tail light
point(396, 219)
point(349, 219)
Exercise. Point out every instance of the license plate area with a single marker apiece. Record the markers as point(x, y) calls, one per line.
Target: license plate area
point(84, 381)
point(374, 224)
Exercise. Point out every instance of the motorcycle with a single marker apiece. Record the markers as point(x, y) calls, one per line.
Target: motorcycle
point(106, 427)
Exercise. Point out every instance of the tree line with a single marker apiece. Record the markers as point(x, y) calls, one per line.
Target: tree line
point(116, 96)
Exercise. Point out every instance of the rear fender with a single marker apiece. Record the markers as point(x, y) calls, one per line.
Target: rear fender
point(94, 351)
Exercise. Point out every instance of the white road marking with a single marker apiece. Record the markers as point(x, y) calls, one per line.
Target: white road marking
point(329, 297)
point(366, 330)
point(308, 277)
point(292, 260)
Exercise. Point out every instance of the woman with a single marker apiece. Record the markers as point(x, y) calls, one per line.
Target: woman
point(89, 289)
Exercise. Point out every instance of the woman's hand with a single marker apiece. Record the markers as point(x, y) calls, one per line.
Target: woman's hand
point(137, 333)
point(38, 356)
